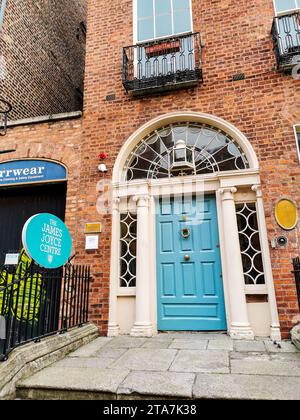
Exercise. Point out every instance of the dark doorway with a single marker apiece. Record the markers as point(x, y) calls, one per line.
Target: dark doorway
point(17, 205)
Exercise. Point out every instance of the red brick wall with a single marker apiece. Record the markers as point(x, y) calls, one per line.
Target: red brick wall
point(264, 107)
point(42, 52)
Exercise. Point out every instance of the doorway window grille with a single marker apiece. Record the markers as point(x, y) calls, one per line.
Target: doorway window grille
point(128, 250)
point(250, 244)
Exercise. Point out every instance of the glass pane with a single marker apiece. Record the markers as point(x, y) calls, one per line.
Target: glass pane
point(163, 7)
point(145, 29)
point(181, 4)
point(145, 8)
point(182, 21)
point(282, 5)
point(298, 135)
point(163, 25)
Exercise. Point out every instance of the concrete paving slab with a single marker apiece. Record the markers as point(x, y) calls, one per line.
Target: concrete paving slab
point(195, 336)
point(220, 345)
point(189, 344)
point(246, 387)
point(265, 367)
point(110, 353)
point(82, 363)
point(250, 356)
point(285, 347)
point(179, 385)
point(146, 359)
point(88, 379)
point(91, 348)
point(126, 342)
point(153, 343)
point(285, 357)
point(212, 361)
point(249, 346)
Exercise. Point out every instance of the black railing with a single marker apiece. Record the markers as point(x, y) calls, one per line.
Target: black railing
point(286, 37)
point(36, 303)
point(164, 64)
point(296, 264)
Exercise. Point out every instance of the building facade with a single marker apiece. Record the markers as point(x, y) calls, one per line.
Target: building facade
point(237, 95)
point(193, 108)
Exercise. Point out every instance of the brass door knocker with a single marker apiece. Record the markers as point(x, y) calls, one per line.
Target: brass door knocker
point(185, 233)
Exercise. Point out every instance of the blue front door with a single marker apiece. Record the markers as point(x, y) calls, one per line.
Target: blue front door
point(190, 287)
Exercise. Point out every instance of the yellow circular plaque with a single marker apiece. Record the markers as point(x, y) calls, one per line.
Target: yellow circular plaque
point(286, 214)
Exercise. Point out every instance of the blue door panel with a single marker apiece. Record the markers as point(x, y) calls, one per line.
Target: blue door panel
point(205, 234)
point(190, 292)
point(167, 237)
point(189, 279)
point(168, 280)
point(208, 274)
point(191, 311)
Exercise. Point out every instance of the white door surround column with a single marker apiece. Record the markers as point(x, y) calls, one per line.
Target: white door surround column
point(142, 326)
point(240, 327)
point(113, 327)
point(275, 325)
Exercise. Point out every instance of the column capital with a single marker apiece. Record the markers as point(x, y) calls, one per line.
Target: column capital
point(257, 189)
point(142, 200)
point(227, 193)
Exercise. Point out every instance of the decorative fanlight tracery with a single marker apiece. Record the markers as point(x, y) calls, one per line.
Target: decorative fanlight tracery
point(199, 148)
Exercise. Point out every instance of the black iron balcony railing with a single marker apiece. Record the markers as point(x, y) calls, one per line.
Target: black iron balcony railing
point(163, 65)
point(36, 303)
point(286, 37)
point(296, 264)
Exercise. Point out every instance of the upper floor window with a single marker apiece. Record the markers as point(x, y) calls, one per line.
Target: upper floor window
point(162, 18)
point(284, 6)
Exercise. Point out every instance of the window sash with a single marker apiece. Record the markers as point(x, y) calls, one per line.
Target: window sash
point(162, 20)
point(291, 6)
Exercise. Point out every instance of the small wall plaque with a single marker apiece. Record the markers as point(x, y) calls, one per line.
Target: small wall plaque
point(286, 214)
point(91, 242)
point(93, 228)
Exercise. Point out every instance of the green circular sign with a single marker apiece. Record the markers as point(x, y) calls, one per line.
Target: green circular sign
point(47, 240)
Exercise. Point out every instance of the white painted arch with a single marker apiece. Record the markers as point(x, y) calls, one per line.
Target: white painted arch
point(175, 117)
point(138, 306)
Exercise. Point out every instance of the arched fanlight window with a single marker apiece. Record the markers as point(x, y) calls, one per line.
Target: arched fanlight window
point(184, 149)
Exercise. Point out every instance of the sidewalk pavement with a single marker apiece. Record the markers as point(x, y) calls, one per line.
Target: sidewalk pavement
point(171, 365)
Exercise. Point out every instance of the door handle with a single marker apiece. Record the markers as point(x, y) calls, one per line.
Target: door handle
point(187, 258)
